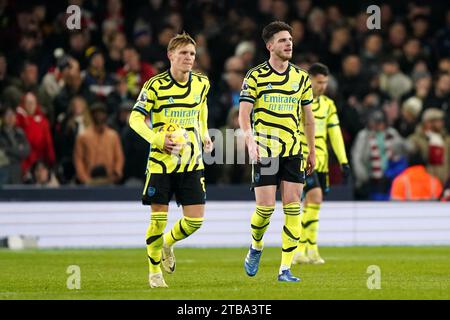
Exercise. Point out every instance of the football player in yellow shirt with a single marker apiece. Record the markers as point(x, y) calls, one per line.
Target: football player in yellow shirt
point(276, 97)
point(317, 183)
point(176, 101)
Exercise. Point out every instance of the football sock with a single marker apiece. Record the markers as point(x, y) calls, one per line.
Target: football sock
point(291, 233)
point(259, 224)
point(182, 229)
point(154, 240)
point(310, 225)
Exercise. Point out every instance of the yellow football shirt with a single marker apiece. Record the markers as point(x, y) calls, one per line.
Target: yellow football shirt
point(326, 123)
point(277, 100)
point(185, 104)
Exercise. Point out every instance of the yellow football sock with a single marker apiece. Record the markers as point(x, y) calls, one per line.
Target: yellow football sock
point(291, 233)
point(182, 229)
point(154, 240)
point(310, 225)
point(259, 223)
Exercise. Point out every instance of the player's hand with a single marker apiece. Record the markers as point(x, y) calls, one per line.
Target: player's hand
point(346, 171)
point(208, 145)
point(310, 163)
point(170, 146)
point(253, 150)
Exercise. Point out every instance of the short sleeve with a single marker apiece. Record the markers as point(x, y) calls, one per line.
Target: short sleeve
point(145, 100)
point(307, 94)
point(248, 89)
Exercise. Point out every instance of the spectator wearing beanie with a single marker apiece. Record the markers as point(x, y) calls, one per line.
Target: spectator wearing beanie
point(433, 142)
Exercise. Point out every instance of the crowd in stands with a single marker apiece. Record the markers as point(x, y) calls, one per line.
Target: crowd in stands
point(65, 95)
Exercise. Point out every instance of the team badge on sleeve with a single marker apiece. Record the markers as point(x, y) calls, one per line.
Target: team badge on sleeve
point(143, 97)
point(244, 85)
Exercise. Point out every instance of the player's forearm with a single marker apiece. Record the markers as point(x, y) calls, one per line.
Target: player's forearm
point(137, 123)
point(204, 123)
point(337, 143)
point(244, 119)
point(309, 129)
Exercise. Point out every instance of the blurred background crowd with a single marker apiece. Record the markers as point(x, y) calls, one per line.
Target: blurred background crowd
point(65, 95)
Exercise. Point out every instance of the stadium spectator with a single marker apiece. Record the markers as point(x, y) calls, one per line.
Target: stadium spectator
point(28, 81)
point(392, 80)
point(4, 78)
point(302, 8)
point(74, 86)
point(352, 83)
point(412, 52)
point(409, 117)
point(100, 82)
point(135, 71)
point(444, 65)
point(233, 149)
point(98, 154)
point(420, 30)
point(376, 149)
point(37, 130)
point(246, 51)
point(29, 49)
point(396, 38)
point(316, 24)
point(335, 18)
point(440, 97)
point(119, 120)
point(114, 15)
point(203, 59)
point(136, 150)
point(115, 44)
point(53, 81)
point(421, 89)
point(142, 38)
point(415, 183)
point(433, 142)
point(68, 126)
point(339, 47)
point(14, 148)
point(78, 43)
point(118, 96)
point(442, 36)
point(230, 89)
point(158, 52)
point(371, 53)
point(41, 175)
point(446, 193)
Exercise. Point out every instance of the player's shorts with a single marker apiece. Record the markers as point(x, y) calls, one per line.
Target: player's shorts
point(317, 180)
point(188, 188)
point(266, 172)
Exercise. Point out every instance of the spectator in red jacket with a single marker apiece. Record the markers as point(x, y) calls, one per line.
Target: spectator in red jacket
point(37, 130)
point(135, 71)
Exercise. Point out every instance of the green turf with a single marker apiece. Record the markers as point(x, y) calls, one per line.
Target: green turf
point(406, 273)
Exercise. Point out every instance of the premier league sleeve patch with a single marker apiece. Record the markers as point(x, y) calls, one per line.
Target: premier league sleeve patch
point(244, 85)
point(143, 97)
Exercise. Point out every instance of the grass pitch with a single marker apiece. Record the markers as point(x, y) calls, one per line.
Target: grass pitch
point(406, 273)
